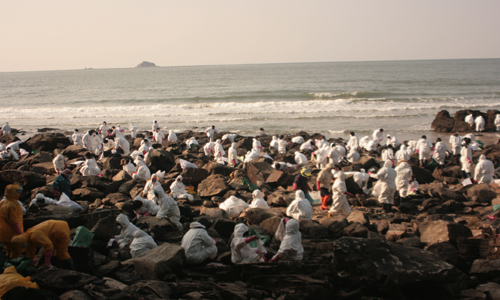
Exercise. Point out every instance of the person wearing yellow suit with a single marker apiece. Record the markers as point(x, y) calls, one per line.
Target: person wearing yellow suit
point(52, 235)
point(11, 219)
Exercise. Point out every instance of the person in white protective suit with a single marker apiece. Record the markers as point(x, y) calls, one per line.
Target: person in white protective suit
point(141, 243)
point(388, 154)
point(334, 155)
point(151, 185)
point(233, 206)
point(414, 186)
point(282, 144)
point(41, 199)
point(423, 149)
point(479, 123)
point(392, 140)
point(121, 142)
point(88, 141)
point(466, 158)
point(90, 167)
point(158, 136)
point(143, 172)
point(291, 244)
point(104, 129)
point(341, 149)
point(218, 150)
point(378, 135)
point(361, 179)
point(59, 163)
point(339, 199)
point(353, 142)
point(179, 190)
point(167, 208)
point(191, 142)
point(241, 252)
point(172, 136)
point(117, 131)
point(128, 166)
point(274, 143)
point(440, 152)
point(108, 144)
point(77, 138)
point(456, 143)
point(256, 144)
point(98, 142)
point(298, 140)
point(353, 156)
point(14, 145)
point(197, 244)
point(232, 155)
point(497, 122)
point(133, 131)
point(484, 170)
point(127, 230)
point(306, 146)
point(371, 146)
point(210, 131)
point(364, 141)
point(154, 126)
point(322, 142)
point(403, 175)
point(402, 153)
point(322, 157)
point(8, 153)
point(6, 129)
point(300, 208)
point(258, 201)
point(469, 119)
point(300, 159)
point(387, 185)
point(144, 207)
point(209, 149)
point(145, 146)
point(229, 136)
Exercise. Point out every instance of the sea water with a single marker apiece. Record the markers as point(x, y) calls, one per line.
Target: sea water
point(333, 98)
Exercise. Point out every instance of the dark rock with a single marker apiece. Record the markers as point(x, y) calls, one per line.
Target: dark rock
point(224, 227)
point(279, 198)
point(270, 225)
point(312, 230)
point(213, 168)
point(75, 295)
point(160, 160)
point(48, 142)
point(422, 175)
point(257, 215)
point(29, 180)
point(105, 228)
point(108, 269)
point(214, 185)
point(486, 269)
point(60, 280)
point(443, 122)
point(74, 151)
point(21, 292)
point(446, 251)
point(356, 230)
point(159, 262)
point(158, 227)
point(113, 198)
point(359, 217)
point(490, 288)
point(482, 193)
point(432, 232)
point(194, 176)
point(111, 162)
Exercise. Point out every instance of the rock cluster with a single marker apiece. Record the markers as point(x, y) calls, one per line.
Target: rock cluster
point(445, 123)
point(441, 242)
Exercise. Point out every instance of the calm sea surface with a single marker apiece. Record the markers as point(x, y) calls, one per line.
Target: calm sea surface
point(331, 98)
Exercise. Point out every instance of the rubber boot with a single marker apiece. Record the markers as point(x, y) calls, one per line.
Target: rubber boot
point(324, 201)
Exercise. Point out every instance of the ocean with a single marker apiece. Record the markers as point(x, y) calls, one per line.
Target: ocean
point(333, 98)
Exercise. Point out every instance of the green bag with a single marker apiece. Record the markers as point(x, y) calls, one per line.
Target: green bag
point(22, 265)
point(480, 145)
point(253, 244)
point(251, 186)
point(433, 163)
point(83, 237)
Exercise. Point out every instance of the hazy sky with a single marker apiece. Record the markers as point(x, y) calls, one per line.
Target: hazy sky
point(55, 35)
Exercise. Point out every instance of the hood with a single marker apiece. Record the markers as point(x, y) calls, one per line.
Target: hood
point(403, 164)
point(138, 197)
point(403, 147)
point(170, 131)
point(218, 142)
point(196, 225)
point(257, 194)
point(275, 138)
point(362, 171)
point(387, 164)
point(482, 157)
point(179, 177)
point(122, 220)
point(233, 199)
point(139, 233)
point(340, 175)
point(234, 145)
point(11, 192)
point(39, 196)
point(299, 195)
point(239, 230)
point(292, 226)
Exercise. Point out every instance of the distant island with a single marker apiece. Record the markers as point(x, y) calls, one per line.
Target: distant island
point(145, 64)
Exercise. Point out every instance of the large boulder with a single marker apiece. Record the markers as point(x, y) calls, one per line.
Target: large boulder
point(486, 269)
point(335, 226)
point(279, 198)
point(159, 227)
point(422, 175)
point(74, 151)
point(482, 193)
point(375, 262)
point(60, 280)
point(432, 232)
point(29, 180)
point(48, 142)
point(257, 215)
point(214, 185)
point(443, 122)
point(312, 230)
point(160, 160)
point(215, 168)
point(159, 262)
point(193, 176)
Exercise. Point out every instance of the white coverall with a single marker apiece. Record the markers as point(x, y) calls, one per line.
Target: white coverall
point(300, 208)
point(479, 123)
point(466, 158)
point(291, 246)
point(440, 153)
point(46, 200)
point(122, 143)
point(497, 122)
point(377, 136)
point(298, 140)
point(300, 159)
point(142, 243)
point(484, 170)
point(456, 143)
point(218, 150)
point(103, 130)
point(77, 139)
point(172, 137)
point(209, 148)
point(282, 146)
point(229, 136)
point(6, 129)
point(424, 147)
point(361, 178)
point(469, 119)
point(256, 144)
point(233, 206)
point(258, 201)
point(133, 131)
point(387, 183)
point(143, 172)
point(179, 190)
point(198, 245)
point(127, 231)
point(333, 155)
point(148, 206)
point(59, 163)
point(241, 252)
point(353, 155)
point(90, 168)
point(403, 174)
point(402, 153)
point(158, 136)
point(307, 146)
point(211, 133)
point(168, 208)
point(353, 142)
point(232, 155)
point(338, 196)
point(150, 187)
point(129, 168)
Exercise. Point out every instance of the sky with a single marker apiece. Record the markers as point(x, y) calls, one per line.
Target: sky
point(59, 35)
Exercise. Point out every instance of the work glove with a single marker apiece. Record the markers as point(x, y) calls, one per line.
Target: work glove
point(416, 151)
point(250, 239)
point(147, 214)
point(16, 228)
point(349, 194)
point(275, 258)
point(318, 185)
point(48, 256)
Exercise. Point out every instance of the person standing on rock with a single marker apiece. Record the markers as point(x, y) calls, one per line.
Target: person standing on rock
point(324, 183)
point(172, 137)
point(388, 154)
point(232, 155)
point(133, 131)
point(497, 122)
point(77, 138)
point(353, 142)
point(210, 131)
point(197, 244)
point(469, 119)
point(387, 185)
point(423, 149)
point(282, 144)
point(155, 126)
point(11, 219)
point(158, 136)
point(466, 158)
point(59, 163)
point(90, 167)
point(403, 175)
point(377, 135)
point(456, 142)
point(484, 170)
point(104, 129)
point(6, 129)
point(440, 152)
point(300, 183)
point(62, 184)
point(479, 123)
point(53, 236)
point(339, 199)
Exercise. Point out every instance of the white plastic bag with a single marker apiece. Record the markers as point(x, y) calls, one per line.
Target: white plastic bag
point(186, 164)
point(66, 202)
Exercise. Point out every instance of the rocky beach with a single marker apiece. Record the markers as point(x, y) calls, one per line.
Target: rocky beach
point(440, 243)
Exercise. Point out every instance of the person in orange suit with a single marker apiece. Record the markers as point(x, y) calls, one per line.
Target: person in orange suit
point(52, 235)
point(11, 219)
